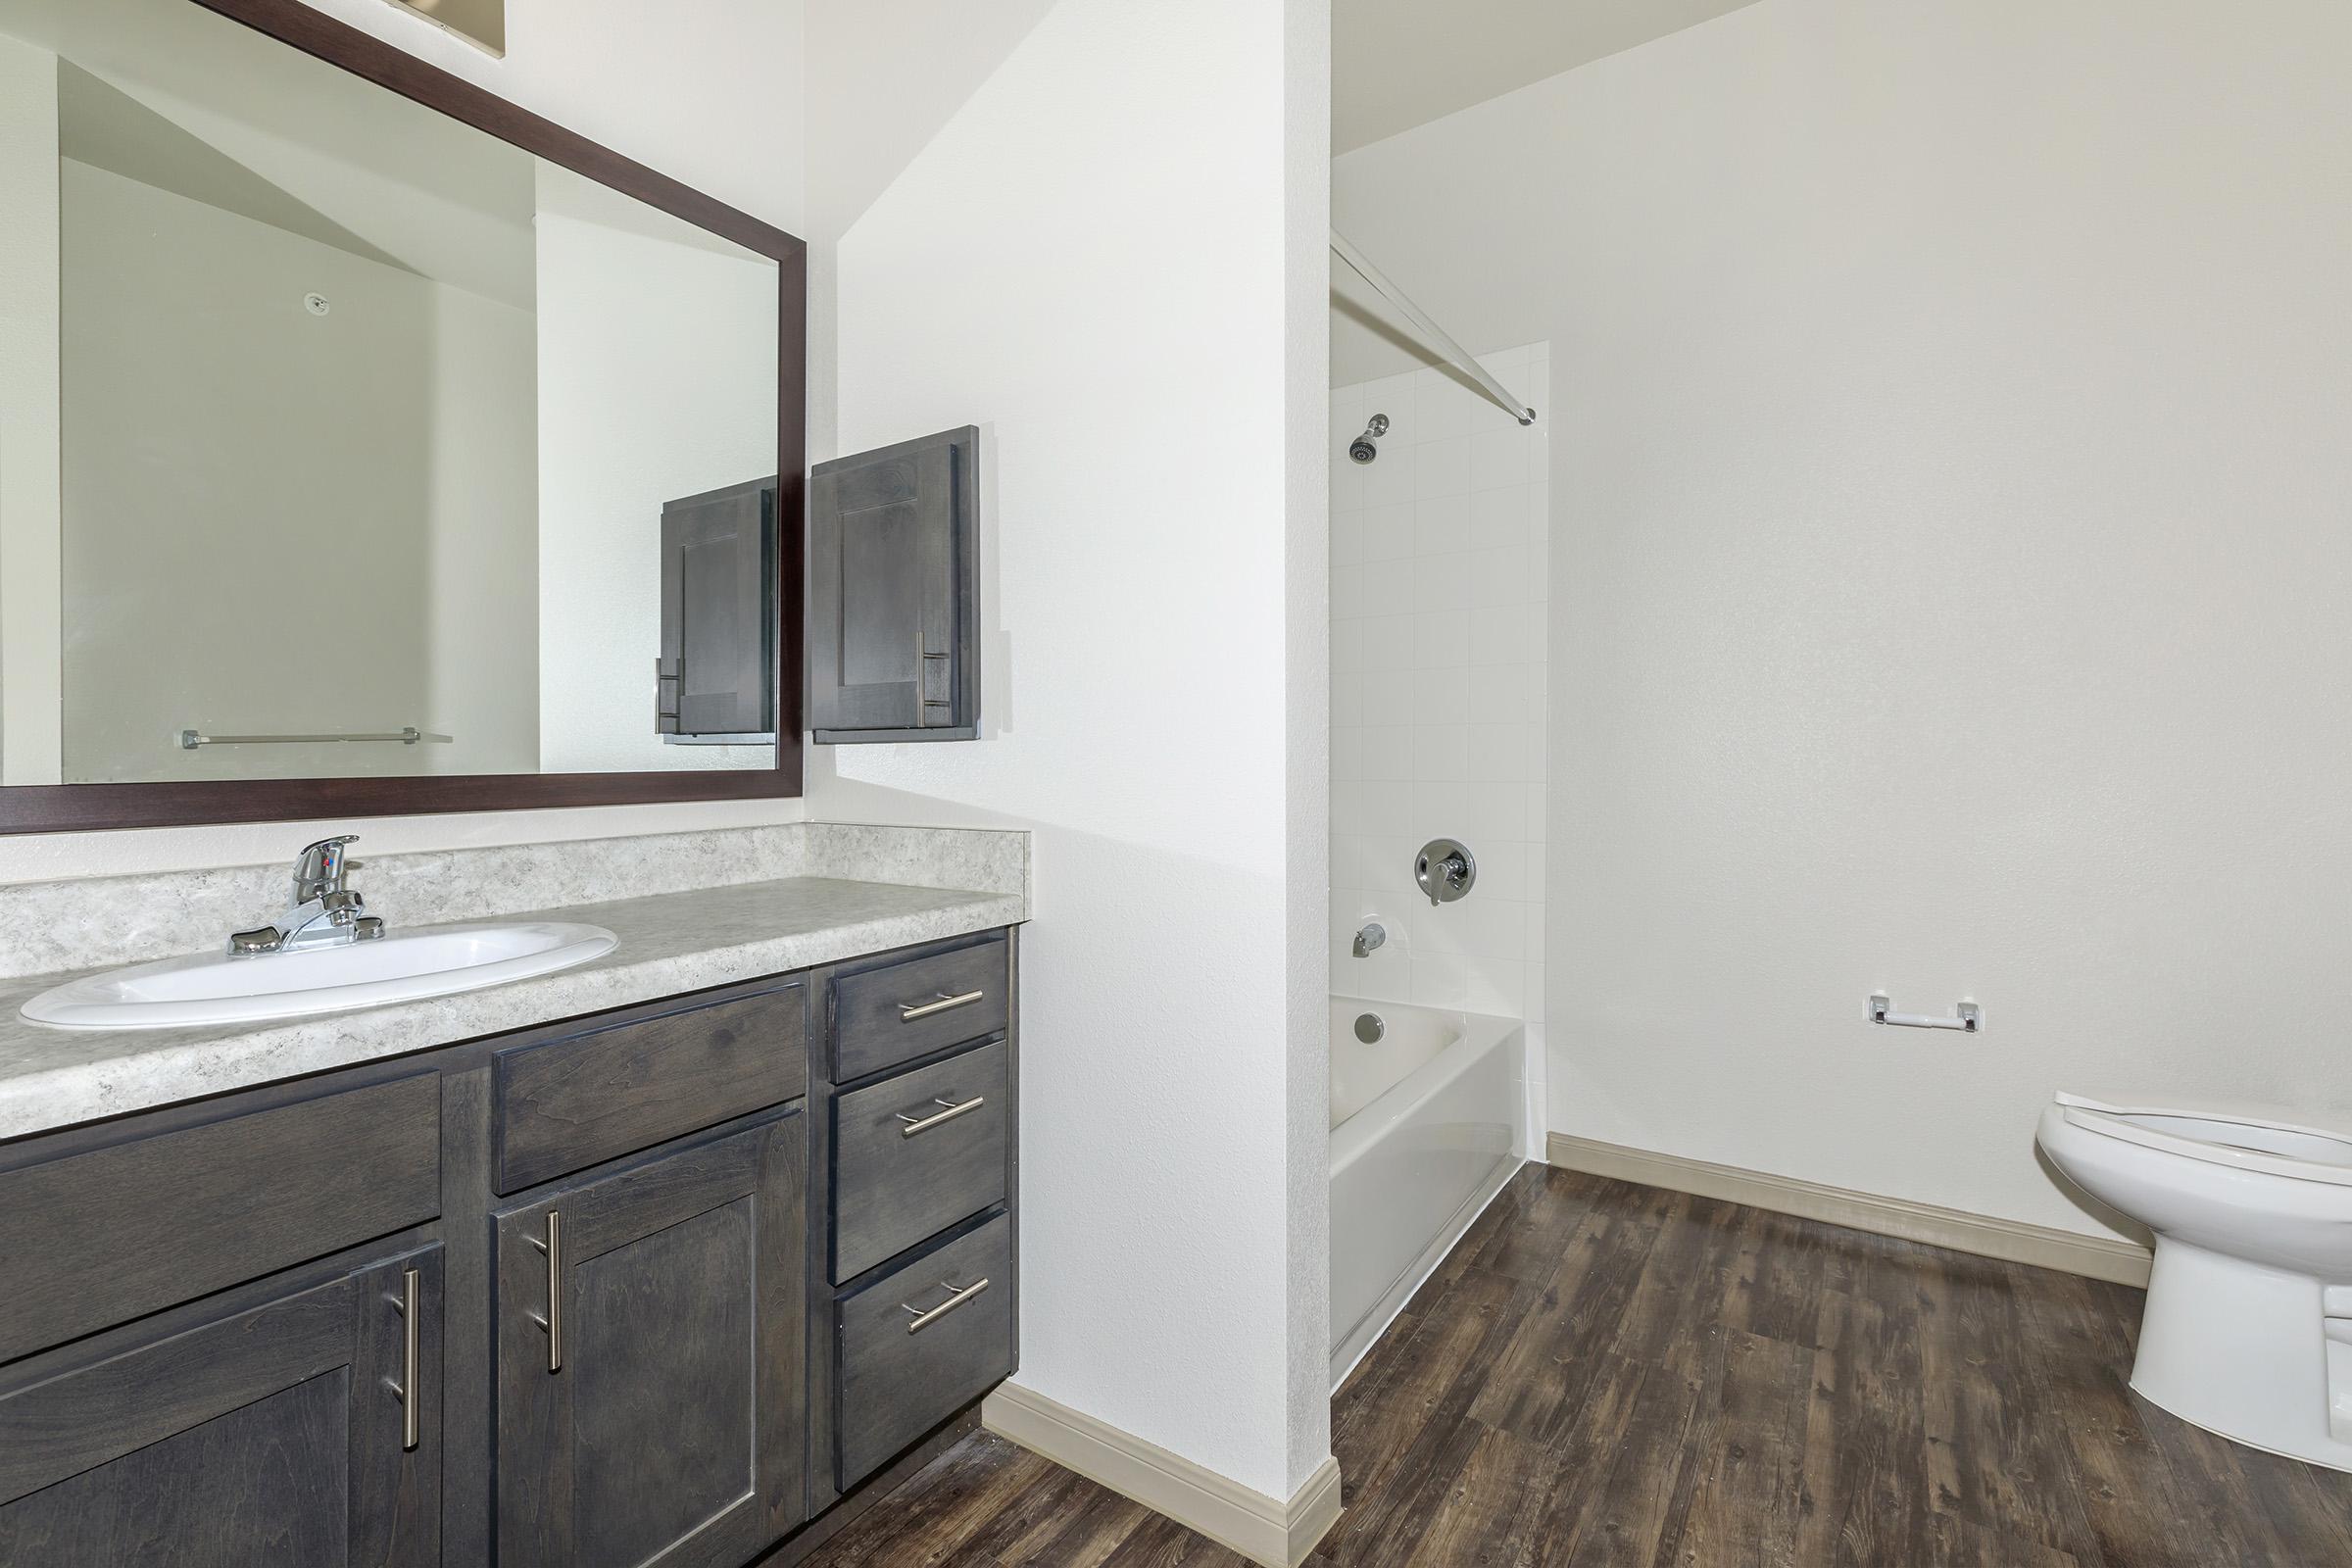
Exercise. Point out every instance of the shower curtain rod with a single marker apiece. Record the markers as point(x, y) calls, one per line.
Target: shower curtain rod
point(1432, 334)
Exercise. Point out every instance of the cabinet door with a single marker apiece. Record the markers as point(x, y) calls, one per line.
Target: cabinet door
point(718, 674)
point(652, 1359)
point(276, 1438)
point(894, 618)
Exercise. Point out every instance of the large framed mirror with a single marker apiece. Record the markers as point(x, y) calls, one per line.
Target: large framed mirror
point(369, 445)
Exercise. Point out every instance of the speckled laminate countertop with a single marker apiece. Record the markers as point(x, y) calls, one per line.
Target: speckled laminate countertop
point(669, 943)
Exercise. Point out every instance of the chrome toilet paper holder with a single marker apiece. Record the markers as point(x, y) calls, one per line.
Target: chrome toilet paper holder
point(1966, 1015)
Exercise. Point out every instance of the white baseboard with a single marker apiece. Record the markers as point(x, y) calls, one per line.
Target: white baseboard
point(2014, 1240)
point(1262, 1529)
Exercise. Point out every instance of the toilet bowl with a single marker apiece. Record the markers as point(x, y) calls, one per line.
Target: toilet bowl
point(2247, 1331)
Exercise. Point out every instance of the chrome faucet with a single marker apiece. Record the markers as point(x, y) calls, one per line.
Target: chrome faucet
point(1371, 936)
point(325, 911)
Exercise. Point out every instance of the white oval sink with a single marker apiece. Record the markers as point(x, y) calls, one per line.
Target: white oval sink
point(434, 960)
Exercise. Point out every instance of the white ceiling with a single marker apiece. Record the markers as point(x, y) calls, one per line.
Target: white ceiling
point(1397, 63)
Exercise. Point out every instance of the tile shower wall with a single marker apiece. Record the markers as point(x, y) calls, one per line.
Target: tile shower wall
point(1438, 582)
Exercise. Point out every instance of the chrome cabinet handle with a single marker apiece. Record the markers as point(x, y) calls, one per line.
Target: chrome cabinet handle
point(924, 1124)
point(552, 1323)
point(406, 1391)
point(957, 1294)
point(909, 1011)
point(929, 658)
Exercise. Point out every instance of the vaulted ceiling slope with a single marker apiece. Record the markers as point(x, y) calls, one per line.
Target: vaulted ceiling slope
point(1397, 63)
point(884, 76)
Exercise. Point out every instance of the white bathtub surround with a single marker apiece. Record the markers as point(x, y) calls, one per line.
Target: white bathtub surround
point(669, 943)
point(1439, 555)
point(2247, 1330)
point(1428, 1124)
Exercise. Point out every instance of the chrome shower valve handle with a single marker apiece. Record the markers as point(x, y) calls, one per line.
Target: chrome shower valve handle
point(1446, 870)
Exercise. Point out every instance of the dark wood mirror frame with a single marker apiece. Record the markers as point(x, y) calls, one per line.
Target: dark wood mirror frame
point(66, 807)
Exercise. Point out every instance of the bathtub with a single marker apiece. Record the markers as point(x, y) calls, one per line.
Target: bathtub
point(1427, 1126)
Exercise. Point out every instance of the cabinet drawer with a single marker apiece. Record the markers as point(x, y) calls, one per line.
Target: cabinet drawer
point(104, 1236)
point(920, 1344)
point(884, 1016)
point(566, 1104)
point(909, 1160)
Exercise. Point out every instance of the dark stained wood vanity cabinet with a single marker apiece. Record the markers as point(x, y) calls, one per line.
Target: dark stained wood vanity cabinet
point(650, 1359)
point(268, 1437)
point(660, 1286)
point(918, 1314)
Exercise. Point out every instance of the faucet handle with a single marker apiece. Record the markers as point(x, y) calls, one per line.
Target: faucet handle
point(321, 867)
point(1444, 869)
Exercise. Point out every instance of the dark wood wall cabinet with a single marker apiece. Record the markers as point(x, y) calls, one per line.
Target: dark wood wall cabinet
point(715, 681)
point(894, 593)
point(661, 1286)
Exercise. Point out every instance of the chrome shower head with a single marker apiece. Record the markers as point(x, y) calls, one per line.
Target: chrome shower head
point(1362, 448)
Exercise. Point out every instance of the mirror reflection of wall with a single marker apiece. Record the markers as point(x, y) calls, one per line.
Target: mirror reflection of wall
point(639, 327)
point(364, 420)
point(300, 487)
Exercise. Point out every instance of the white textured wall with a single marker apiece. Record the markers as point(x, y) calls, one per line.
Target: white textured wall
point(893, 72)
point(1111, 260)
point(1306, 1039)
point(1949, 562)
point(711, 94)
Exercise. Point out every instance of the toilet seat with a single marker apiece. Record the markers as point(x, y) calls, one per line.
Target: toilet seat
point(2221, 1135)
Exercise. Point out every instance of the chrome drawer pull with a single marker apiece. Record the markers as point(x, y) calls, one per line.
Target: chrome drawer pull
point(909, 1011)
point(552, 1323)
point(406, 1389)
point(924, 1124)
point(956, 1296)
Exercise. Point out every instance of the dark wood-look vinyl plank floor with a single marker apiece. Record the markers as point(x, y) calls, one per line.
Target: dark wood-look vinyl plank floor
point(1609, 1376)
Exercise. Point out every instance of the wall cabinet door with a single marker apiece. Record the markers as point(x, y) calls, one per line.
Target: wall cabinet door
point(279, 1437)
point(717, 676)
point(894, 605)
point(652, 1359)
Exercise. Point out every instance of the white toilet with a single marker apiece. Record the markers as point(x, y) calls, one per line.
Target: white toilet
point(2248, 1326)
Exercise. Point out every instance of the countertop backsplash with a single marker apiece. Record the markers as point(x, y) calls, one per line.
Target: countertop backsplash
point(95, 923)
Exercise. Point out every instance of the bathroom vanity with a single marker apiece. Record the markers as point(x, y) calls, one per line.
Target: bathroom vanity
point(659, 1283)
point(702, 1216)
